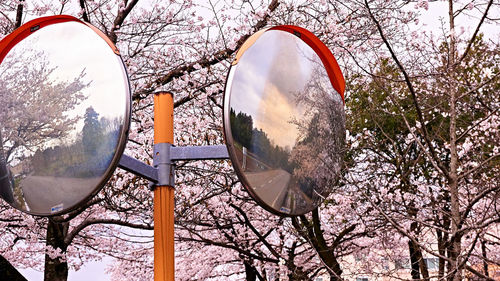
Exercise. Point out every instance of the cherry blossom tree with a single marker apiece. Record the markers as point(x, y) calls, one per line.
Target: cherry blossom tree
point(422, 155)
point(424, 136)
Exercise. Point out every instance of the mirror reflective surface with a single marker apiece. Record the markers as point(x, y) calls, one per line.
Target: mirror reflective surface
point(65, 98)
point(284, 124)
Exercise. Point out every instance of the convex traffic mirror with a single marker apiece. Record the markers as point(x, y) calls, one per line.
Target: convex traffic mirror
point(65, 115)
point(284, 119)
point(65, 111)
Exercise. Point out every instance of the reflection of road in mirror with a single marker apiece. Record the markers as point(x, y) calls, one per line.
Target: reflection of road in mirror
point(60, 176)
point(275, 186)
point(287, 123)
point(64, 94)
point(271, 186)
point(56, 193)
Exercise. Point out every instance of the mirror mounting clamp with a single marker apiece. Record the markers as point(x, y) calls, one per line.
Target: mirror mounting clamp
point(162, 161)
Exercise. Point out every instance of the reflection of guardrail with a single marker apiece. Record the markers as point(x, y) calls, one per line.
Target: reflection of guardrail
point(244, 164)
point(251, 162)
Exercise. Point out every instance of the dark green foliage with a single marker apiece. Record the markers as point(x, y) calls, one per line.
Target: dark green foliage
point(258, 142)
point(91, 131)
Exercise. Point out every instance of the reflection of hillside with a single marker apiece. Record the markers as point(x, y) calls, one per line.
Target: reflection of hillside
point(261, 148)
point(89, 156)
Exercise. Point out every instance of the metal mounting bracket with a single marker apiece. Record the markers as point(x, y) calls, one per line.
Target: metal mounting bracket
point(164, 156)
point(162, 161)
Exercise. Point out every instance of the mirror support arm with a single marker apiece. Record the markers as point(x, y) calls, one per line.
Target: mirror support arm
point(162, 171)
point(138, 168)
point(207, 152)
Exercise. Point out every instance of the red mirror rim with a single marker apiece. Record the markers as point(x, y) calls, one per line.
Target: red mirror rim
point(9, 41)
point(326, 56)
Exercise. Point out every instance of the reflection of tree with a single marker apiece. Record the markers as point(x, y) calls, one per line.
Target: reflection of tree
point(317, 156)
point(241, 128)
point(34, 104)
point(91, 131)
point(258, 142)
point(34, 113)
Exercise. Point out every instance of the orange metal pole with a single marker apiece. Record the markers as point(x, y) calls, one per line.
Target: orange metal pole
point(163, 195)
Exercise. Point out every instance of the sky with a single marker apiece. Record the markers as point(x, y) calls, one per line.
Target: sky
point(266, 78)
point(96, 270)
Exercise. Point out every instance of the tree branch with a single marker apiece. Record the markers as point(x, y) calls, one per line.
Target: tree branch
point(205, 62)
point(473, 38)
point(84, 8)
point(412, 92)
point(255, 231)
point(19, 14)
point(120, 18)
point(69, 238)
point(227, 246)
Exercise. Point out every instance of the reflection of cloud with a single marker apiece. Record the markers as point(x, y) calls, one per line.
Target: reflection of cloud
point(249, 86)
point(288, 74)
point(276, 112)
point(73, 49)
point(269, 75)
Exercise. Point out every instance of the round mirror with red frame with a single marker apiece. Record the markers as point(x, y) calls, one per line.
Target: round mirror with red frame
point(284, 120)
point(65, 99)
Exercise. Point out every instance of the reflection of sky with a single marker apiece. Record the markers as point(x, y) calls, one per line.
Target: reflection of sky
point(73, 47)
point(267, 77)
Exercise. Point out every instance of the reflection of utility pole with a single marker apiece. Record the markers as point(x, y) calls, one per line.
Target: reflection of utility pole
point(244, 164)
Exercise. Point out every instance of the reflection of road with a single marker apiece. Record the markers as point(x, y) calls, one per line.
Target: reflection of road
point(271, 186)
point(44, 192)
point(279, 190)
point(276, 187)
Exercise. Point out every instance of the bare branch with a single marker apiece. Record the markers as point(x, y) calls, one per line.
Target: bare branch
point(206, 62)
point(473, 38)
point(413, 93)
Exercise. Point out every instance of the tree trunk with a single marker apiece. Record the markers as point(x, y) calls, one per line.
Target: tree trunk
point(455, 247)
point(414, 258)
point(56, 269)
point(423, 266)
point(484, 254)
point(314, 234)
point(335, 277)
point(250, 272)
point(9, 272)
